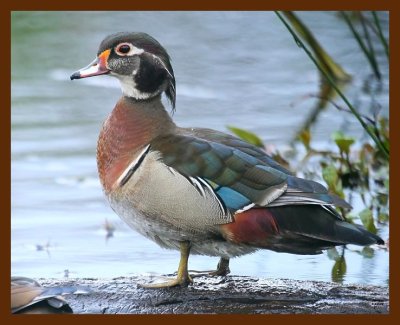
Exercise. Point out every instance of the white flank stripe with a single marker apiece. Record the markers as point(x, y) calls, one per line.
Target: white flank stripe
point(224, 212)
point(198, 185)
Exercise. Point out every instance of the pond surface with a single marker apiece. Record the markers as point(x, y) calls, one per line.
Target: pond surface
point(232, 68)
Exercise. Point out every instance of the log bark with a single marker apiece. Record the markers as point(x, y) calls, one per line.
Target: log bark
point(226, 295)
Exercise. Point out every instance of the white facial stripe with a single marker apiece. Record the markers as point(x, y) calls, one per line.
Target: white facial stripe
point(165, 68)
point(163, 65)
point(135, 51)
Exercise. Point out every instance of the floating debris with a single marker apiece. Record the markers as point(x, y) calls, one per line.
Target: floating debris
point(109, 228)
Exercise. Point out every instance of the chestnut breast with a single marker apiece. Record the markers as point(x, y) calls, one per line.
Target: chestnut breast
point(128, 129)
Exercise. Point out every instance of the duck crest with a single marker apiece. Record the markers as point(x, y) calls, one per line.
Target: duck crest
point(125, 133)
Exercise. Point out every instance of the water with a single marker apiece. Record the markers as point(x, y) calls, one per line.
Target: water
point(232, 68)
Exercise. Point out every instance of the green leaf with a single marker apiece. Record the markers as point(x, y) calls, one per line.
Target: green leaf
point(339, 270)
point(383, 217)
point(305, 138)
point(368, 220)
point(383, 198)
point(384, 127)
point(367, 252)
point(330, 175)
point(342, 141)
point(247, 136)
point(386, 183)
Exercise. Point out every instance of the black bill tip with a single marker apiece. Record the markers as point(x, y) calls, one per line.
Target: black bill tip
point(75, 75)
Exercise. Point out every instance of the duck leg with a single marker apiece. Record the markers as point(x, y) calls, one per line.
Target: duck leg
point(183, 278)
point(222, 269)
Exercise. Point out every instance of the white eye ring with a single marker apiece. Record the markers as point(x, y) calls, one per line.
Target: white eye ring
point(127, 49)
point(123, 49)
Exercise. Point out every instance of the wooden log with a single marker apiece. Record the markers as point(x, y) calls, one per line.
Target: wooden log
point(226, 295)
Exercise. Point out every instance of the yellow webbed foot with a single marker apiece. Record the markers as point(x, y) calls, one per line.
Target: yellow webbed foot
point(222, 269)
point(182, 279)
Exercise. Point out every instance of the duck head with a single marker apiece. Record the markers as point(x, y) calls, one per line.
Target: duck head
point(138, 61)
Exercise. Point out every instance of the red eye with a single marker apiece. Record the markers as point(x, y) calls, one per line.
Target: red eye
point(123, 49)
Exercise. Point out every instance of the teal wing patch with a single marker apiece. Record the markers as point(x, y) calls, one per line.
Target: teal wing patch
point(239, 179)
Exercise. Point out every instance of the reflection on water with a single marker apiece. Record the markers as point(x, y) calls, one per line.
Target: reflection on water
point(236, 68)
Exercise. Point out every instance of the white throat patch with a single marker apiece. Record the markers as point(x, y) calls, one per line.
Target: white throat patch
point(128, 87)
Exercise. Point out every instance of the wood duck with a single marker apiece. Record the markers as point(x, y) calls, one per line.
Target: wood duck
point(29, 297)
point(199, 190)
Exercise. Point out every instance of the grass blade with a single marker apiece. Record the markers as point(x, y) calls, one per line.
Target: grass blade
point(363, 47)
point(380, 33)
